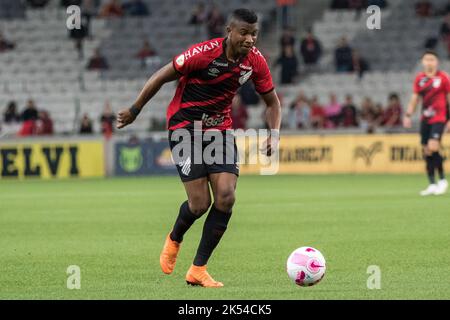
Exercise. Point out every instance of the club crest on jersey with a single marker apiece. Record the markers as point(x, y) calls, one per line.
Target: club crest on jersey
point(180, 60)
point(437, 82)
point(244, 77)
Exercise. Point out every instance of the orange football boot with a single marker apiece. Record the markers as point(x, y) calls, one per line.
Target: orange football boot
point(168, 256)
point(198, 276)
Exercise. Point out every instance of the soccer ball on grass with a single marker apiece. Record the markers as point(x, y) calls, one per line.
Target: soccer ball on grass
point(306, 266)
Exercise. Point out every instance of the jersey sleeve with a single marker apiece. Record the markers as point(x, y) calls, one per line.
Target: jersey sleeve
point(187, 62)
point(416, 88)
point(261, 76)
point(446, 83)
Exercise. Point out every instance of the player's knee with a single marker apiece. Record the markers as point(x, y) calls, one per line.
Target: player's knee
point(433, 146)
point(225, 200)
point(200, 205)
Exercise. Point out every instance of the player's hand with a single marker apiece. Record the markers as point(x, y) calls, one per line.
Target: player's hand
point(270, 146)
point(407, 123)
point(124, 118)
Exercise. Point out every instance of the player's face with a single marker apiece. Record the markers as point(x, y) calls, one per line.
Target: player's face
point(430, 62)
point(243, 36)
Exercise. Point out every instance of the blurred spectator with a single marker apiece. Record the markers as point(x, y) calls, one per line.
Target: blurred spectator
point(446, 8)
point(333, 112)
point(380, 3)
point(111, 9)
point(136, 8)
point(310, 49)
point(37, 3)
point(299, 113)
point(356, 4)
point(444, 32)
point(30, 112)
point(199, 14)
point(285, 6)
point(89, 10)
point(393, 114)
point(29, 117)
point(44, 124)
point(287, 37)
point(66, 3)
point(423, 8)
point(289, 65)
point(318, 116)
point(378, 112)
point(146, 51)
point(239, 113)
point(343, 56)
point(339, 4)
point(11, 115)
point(368, 116)
point(107, 120)
point(97, 61)
point(349, 113)
point(360, 65)
point(5, 44)
point(78, 35)
point(371, 115)
point(215, 23)
point(86, 125)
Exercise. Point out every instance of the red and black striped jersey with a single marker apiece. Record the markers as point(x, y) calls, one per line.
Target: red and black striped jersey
point(208, 83)
point(434, 93)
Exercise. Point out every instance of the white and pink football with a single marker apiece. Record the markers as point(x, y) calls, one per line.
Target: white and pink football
point(306, 266)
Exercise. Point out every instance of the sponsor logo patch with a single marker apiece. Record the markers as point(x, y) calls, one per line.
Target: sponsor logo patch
point(212, 121)
point(214, 72)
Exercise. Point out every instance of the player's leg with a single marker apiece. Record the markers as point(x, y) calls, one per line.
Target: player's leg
point(195, 179)
point(199, 200)
point(430, 168)
point(425, 134)
point(434, 147)
point(223, 186)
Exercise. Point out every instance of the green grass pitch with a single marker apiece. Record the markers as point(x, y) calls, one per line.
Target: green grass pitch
point(113, 229)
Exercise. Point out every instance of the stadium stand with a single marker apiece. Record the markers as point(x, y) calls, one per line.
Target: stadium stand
point(46, 66)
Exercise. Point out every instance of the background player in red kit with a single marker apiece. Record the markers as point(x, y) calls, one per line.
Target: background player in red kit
point(433, 87)
point(209, 75)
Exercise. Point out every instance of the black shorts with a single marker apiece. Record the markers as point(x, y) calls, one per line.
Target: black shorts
point(431, 131)
point(199, 159)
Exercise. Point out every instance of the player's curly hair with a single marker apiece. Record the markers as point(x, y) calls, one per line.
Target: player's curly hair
point(245, 15)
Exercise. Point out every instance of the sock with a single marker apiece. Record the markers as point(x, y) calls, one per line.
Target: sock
point(184, 221)
point(213, 229)
point(438, 161)
point(430, 169)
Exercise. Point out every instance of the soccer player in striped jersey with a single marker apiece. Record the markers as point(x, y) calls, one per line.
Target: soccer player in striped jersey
point(432, 86)
point(209, 74)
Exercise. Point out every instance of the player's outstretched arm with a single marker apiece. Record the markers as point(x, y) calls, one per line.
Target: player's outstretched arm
point(407, 123)
point(273, 119)
point(156, 81)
